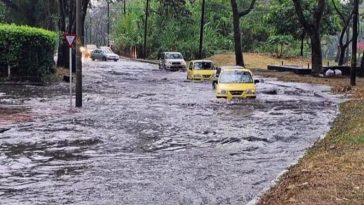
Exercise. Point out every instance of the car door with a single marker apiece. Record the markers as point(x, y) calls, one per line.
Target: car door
point(97, 54)
point(102, 54)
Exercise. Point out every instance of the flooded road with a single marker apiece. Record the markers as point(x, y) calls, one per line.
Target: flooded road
point(146, 136)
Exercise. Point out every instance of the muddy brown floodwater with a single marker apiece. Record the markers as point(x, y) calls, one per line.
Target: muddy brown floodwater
point(146, 136)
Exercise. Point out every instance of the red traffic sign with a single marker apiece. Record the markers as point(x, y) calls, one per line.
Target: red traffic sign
point(70, 39)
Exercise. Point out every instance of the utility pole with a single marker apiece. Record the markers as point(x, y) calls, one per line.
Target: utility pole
point(78, 54)
point(124, 7)
point(90, 32)
point(146, 29)
point(108, 23)
point(354, 43)
point(202, 29)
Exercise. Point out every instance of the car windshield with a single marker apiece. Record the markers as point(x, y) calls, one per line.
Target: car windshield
point(236, 77)
point(203, 66)
point(173, 56)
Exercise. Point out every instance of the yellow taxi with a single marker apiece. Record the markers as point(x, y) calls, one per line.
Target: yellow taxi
point(235, 82)
point(201, 70)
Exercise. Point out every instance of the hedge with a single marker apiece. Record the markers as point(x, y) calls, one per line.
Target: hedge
point(29, 51)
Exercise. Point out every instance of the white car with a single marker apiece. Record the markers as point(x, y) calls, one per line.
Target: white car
point(172, 61)
point(104, 55)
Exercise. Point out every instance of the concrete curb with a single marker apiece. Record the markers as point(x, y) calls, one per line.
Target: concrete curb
point(155, 62)
point(21, 83)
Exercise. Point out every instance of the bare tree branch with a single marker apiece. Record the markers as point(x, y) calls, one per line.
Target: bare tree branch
point(338, 11)
point(301, 17)
point(247, 11)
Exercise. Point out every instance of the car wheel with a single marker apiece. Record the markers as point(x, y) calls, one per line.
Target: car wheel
point(104, 59)
point(93, 59)
point(115, 60)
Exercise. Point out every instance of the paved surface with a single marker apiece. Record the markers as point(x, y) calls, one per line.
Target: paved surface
point(146, 136)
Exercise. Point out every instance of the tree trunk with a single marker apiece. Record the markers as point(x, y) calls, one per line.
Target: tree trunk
point(342, 52)
point(302, 41)
point(362, 62)
point(341, 56)
point(316, 53)
point(63, 53)
point(346, 59)
point(343, 47)
point(9, 72)
point(237, 34)
point(354, 43)
point(312, 28)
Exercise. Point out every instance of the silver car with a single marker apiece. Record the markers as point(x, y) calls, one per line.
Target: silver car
point(172, 61)
point(104, 55)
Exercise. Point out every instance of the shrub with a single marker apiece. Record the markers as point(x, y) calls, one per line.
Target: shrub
point(29, 51)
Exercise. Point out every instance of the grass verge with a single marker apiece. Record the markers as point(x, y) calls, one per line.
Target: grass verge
point(332, 171)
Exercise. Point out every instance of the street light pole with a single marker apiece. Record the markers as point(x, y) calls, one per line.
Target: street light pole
point(124, 7)
point(146, 29)
point(78, 54)
point(354, 43)
point(108, 23)
point(202, 29)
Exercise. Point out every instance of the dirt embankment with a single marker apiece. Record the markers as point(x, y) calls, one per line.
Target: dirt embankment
point(332, 171)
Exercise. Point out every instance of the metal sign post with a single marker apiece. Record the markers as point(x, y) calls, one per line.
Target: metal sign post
point(70, 39)
point(70, 78)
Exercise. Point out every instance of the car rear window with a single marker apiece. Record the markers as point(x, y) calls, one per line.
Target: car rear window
point(203, 66)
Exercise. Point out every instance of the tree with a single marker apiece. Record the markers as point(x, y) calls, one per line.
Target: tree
point(312, 27)
point(67, 24)
point(281, 17)
point(283, 20)
point(174, 25)
point(237, 32)
point(280, 41)
point(345, 14)
point(37, 13)
point(2, 12)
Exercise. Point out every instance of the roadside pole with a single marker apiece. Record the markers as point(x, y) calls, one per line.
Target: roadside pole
point(354, 43)
point(146, 29)
point(70, 78)
point(78, 54)
point(201, 29)
point(108, 23)
point(124, 7)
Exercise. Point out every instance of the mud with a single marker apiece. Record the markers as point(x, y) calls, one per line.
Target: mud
point(146, 136)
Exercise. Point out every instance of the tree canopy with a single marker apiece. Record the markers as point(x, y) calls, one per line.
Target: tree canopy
point(275, 26)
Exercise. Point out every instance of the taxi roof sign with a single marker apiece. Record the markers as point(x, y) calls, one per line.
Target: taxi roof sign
point(70, 39)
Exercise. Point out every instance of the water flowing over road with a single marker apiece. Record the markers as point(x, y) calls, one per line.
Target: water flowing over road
point(146, 136)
